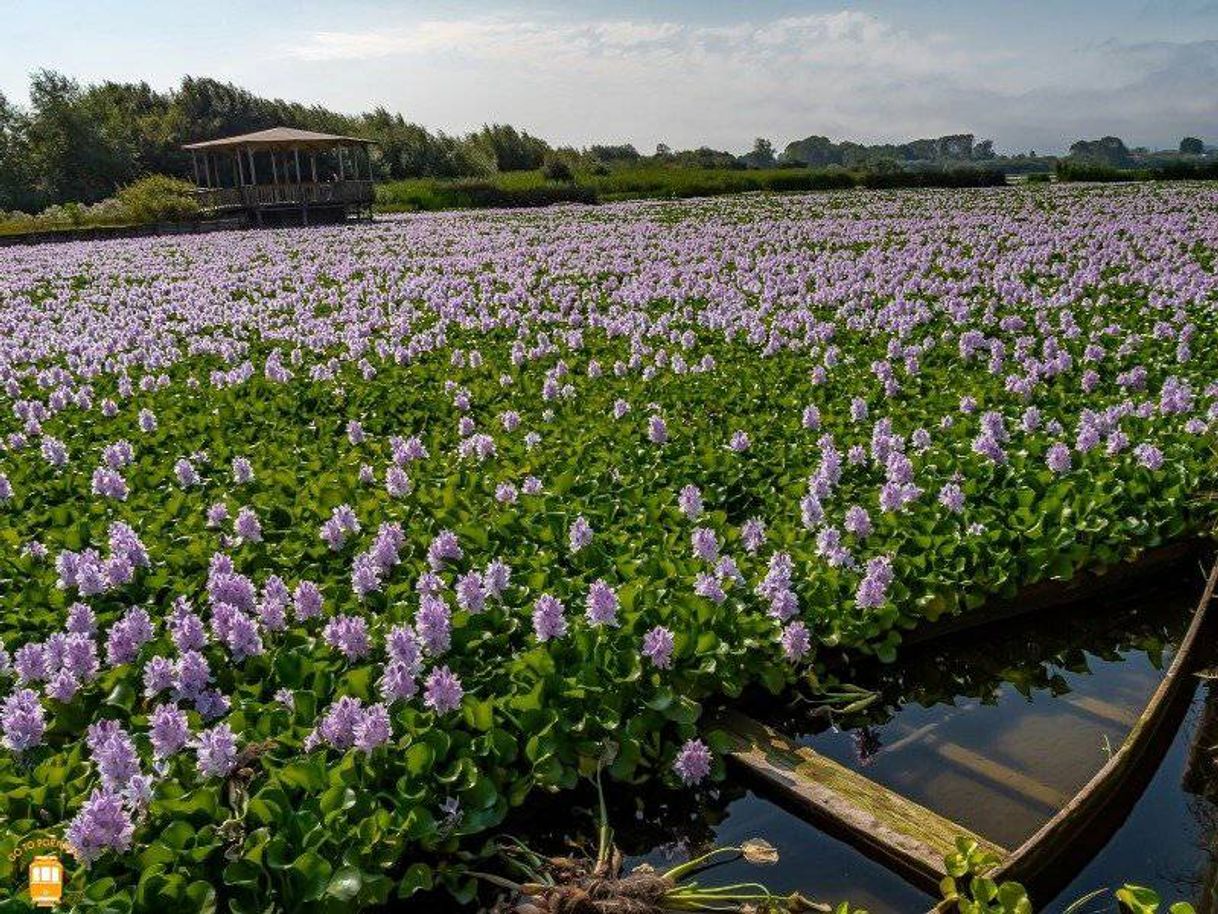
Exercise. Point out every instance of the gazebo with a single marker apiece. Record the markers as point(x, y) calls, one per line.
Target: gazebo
point(284, 173)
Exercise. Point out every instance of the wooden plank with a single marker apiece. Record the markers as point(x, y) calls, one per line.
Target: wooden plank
point(997, 773)
point(903, 834)
point(1105, 710)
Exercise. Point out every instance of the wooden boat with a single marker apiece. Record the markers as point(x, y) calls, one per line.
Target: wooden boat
point(913, 840)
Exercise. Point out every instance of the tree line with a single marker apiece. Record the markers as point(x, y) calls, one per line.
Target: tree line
point(79, 143)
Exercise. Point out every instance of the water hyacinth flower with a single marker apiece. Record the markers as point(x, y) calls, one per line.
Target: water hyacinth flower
point(580, 534)
point(168, 730)
point(601, 604)
point(444, 548)
point(873, 588)
point(22, 720)
point(103, 824)
point(306, 601)
point(216, 751)
point(657, 430)
point(795, 641)
point(247, 526)
point(442, 691)
point(705, 544)
point(693, 762)
point(349, 636)
point(690, 502)
point(951, 496)
point(658, 646)
point(243, 471)
point(752, 534)
point(548, 619)
point(1149, 456)
point(188, 476)
point(1057, 458)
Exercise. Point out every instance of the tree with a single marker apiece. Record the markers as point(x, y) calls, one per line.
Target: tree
point(1109, 150)
point(813, 150)
point(762, 155)
point(1191, 146)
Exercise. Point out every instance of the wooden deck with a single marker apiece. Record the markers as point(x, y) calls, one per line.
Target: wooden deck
point(269, 196)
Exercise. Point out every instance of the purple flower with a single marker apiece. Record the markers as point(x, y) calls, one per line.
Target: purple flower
point(471, 596)
point(306, 601)
point(873, 588)
point(657, 430)
point(443, 692)
point(708, 586)
point(243, 471)
point(109, 484)
point(102, 824)
point(739, 442)
point(580, 534)
point(22, 720)
point(247, 527)
point(1058, 458)
point(186, 473)
point(548, 619)
point(397, 483)
point(752, 534)
point(951, 496)
point(496, 578)
point(858, 522)
point(693, 762)
point(348, 635)
point(217, 514)
point(114, 754)
point(168, 730)
point(657, 647)
point(1149, 456)
point(443, 549)
point(397, 682)
point(158, 676)
point(690, 502)
point(601, 605)
point(216, 751)
point(433, 624)
point(373, 729)
point(705, 544)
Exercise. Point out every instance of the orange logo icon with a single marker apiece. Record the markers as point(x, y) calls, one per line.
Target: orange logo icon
point(46, 881)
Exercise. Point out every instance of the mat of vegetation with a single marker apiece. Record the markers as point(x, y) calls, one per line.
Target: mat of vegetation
point(322, 549)
point(533, 188)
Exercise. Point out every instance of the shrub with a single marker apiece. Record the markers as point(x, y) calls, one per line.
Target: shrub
point(556, 169)
point(159, 198)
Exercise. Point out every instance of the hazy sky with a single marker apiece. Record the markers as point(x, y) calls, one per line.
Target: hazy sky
point(1027, 74)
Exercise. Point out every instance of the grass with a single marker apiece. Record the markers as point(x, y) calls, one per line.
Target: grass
point(530, 188)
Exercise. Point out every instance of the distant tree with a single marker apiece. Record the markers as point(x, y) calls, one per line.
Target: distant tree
point(1109, 150)
point(813, 150)
point(762, 155)
point(1191, 146)
point(512, 149)
point(624, 152)
point(663, 151)
point(955, 147)
point(984, 150)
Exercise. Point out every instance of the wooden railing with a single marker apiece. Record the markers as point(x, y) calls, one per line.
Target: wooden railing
point(305, 194)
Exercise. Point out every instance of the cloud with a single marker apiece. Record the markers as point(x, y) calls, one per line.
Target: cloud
point(846, 74)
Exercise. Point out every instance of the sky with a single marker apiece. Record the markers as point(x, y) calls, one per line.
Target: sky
point(1029, 75)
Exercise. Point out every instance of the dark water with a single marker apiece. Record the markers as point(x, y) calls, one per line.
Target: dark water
point(995, 729)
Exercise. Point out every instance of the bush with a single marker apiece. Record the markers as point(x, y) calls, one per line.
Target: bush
point(1039, 177)
point(159, 198)
point(556, 169)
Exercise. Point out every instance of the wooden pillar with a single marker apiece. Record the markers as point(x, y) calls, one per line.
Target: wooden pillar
point(300, 192)
point(274, 169)
point(342, 173)
point(313, 164)
point(194, 165)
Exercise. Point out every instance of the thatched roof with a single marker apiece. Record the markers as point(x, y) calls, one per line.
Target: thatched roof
point(278, 137)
